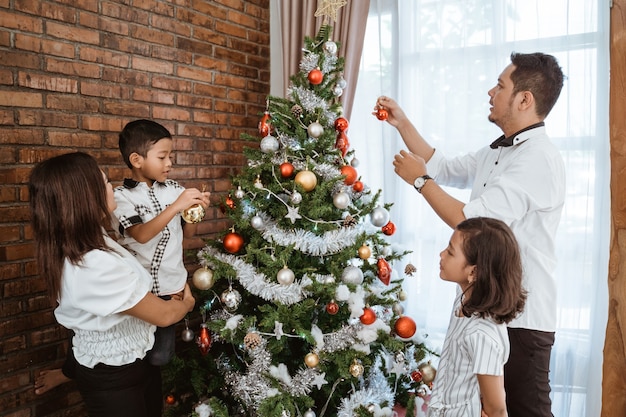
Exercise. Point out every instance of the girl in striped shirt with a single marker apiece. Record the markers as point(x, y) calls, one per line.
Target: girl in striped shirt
point(483, 258)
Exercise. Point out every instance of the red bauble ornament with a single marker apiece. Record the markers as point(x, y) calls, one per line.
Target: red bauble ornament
point(332, 308)
point(233, 242)
point(315, 76)
point(350, 173)
point(204, 339)
point(286, 169)
point(405, 327)
point(357, 186)
point(381, 114)
point(230, 202)
point(264, 126)
point(389, 229)
point(384, 271)
point(170, 399)
point(342, 143)
point(416, 376)
point(341, 124)
point(368, 316)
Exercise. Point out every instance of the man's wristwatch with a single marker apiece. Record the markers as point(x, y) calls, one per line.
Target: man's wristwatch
point(420, 182)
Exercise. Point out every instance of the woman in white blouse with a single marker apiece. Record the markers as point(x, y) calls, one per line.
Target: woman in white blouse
point(103, 293)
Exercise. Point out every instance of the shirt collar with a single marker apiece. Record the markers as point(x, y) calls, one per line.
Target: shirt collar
point(131, 183)
point(516, 138)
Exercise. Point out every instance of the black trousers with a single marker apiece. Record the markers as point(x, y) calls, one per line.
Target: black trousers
point(526, 374)
point(132, 390)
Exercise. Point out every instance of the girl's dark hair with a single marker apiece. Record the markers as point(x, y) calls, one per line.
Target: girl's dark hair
point(497, 290)
point(138, 137)
point(68, 202)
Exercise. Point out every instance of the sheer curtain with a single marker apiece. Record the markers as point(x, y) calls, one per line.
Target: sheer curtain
point(438, 59)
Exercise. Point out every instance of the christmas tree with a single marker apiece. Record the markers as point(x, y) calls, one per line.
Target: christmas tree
point(301, 313)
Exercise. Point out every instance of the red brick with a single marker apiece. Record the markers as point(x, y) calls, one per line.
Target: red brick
point(171, 84)
point(194, 74)
point(21, 22)
point(39, 45)
point(152, 65)
point(104, 56)
point(20, 59)
point(170, 113)
point(74, 139)
point(72, 102)
point(72, 68)
point(6, 118)
point(9, 233)
point(40, 118)
point(172, 54)
point(15, 252)
point(103, 23)
point(126, 77)
point(170, 25)
point(109, 90)
point(58, 12)
point(6, 77)
point(124, 13)
point(21, 136)
point(72, 33)
point(155, 96)
point(138, 110)
point(47, 82)
point(100, 123)
point(186, 100)
point(8, 271)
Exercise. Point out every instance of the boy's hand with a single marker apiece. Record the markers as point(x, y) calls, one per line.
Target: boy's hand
point(188, 297)
point(191, 196)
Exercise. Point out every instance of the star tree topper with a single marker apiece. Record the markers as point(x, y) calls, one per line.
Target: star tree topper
point(328, 8)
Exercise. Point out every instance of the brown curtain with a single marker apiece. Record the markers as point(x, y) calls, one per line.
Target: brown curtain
point(297, 19)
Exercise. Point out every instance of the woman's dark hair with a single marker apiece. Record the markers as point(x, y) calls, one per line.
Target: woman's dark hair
point(68, 201)
point(138, 137)
point(541, 75)
point(497, 290)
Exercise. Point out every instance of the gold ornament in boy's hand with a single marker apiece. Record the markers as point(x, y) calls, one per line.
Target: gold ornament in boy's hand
point(193, 214)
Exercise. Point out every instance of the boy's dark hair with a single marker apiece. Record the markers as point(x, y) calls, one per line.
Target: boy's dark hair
point(541, 75)
point(138, 137)
point(497, 291)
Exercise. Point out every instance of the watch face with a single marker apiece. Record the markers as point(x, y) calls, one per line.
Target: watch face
point(419, 182)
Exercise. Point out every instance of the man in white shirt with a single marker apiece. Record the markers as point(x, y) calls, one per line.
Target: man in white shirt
point(519, 179)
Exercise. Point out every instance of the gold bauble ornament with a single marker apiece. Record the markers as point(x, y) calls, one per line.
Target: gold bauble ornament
point(428, 372)
point(193, 214)
point(203, 278)
point(365, 252)
point(311, 360)
point(306, 179)
point(356, 368)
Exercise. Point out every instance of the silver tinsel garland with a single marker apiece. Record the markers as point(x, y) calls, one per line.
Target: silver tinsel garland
point(377, 391)
point(257, 283)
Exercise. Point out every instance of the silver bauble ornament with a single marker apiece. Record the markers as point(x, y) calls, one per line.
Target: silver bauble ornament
point(285, 276)
point(337, 91)
point(379, 217)
point(315, 130)
point(352, 275)
point(329, 279)
point(330, 47)
point(398, 309)
point(257, 222)
point(187, 335)
point(402, 295)
point(341, 200)
point(296, 197)
point(309, 413)
point(269, 144)
point(203, 278)
point(355, 162)
point(342, 83)
point(231, 299)
point(239, 193)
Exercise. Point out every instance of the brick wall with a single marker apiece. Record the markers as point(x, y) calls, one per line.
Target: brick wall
point(72, 73)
